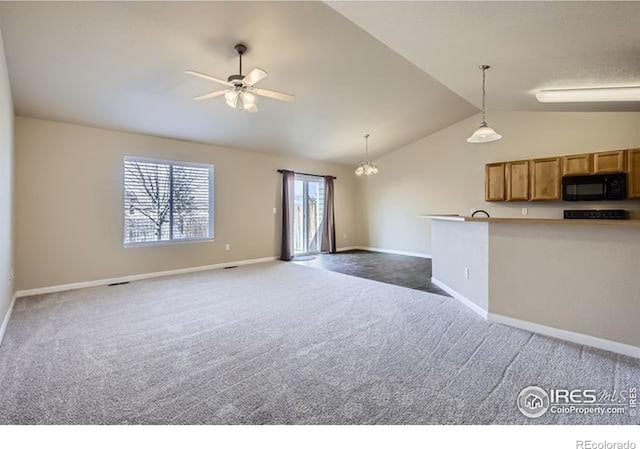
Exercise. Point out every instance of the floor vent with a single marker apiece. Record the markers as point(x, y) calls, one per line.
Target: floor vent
point(119, 283)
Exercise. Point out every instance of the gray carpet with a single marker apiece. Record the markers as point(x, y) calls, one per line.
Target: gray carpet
point(280, 343)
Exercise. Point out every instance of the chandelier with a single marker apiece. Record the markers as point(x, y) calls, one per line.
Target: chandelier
point(366, 167)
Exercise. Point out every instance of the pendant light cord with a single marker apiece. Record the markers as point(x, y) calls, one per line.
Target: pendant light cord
point(484, 92)
point(366, 145)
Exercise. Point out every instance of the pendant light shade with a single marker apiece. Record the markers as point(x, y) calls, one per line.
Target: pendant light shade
point(484, 133)
point(366, 167)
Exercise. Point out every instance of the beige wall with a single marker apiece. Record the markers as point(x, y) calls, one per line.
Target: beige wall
point(6, 188)
point(457, 246)
point(442, 173)
point(580, 278)
point(69, 204)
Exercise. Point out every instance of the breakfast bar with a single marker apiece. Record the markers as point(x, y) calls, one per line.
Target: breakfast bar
point(572, 279)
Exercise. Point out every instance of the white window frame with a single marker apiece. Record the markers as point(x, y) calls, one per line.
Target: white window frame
point(152, 160)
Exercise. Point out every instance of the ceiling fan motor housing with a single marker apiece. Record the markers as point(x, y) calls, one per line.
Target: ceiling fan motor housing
point(235, 79)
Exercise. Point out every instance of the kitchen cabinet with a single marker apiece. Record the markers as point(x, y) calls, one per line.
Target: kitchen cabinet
point(577, 164)
point(541, 179)
point(609, 162)
point(546, 179)
point(517, 180)
point(633, 181)
point(494, 189)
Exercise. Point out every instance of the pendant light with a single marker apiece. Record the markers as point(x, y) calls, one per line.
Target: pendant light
point(366, 167)
point(484, 133)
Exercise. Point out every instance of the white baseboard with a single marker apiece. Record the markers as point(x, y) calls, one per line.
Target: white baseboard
point(347, 248)
point(137, 277)
point(5, 321)
point(583, 339)
point(394, 251)
point(463, 299)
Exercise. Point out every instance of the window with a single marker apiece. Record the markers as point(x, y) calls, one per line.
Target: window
point(167, 201)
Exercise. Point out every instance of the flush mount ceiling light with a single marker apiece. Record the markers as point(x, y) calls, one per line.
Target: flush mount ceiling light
point(366, 167)
point(241, 92)
point(589, 95)
point(484, 133)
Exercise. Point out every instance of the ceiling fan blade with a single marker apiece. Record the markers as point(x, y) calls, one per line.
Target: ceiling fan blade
point(252, 108)
point(207, 77)
point(215, 93)
point(275, 94)
point(254, 76)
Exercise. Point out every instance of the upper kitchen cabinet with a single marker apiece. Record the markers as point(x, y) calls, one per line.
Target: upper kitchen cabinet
point(577, 164)
point(609, 162)
point(517, 180)
point(494, 189)
point(633, 183)
point(546, 179)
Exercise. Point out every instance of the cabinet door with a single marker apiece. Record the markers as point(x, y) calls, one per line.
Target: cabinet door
point(577, 164)
point(494, 182)
point(634, 173)
point(546, 179)
point(517, 177)
point(609, 162)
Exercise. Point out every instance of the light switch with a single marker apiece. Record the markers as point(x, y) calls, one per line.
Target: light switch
point(227, 247)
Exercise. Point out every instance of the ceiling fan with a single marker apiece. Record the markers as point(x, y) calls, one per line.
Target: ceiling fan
point(241, 91)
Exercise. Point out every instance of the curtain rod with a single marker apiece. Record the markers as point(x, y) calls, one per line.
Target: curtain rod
point(306, 174)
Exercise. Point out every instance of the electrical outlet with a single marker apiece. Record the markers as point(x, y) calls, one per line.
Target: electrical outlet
point(525, 211)
point(275, 211)
point(227, 247)
point(466, 272)
point(344, 236)
point(471, 211)
point(12, 275)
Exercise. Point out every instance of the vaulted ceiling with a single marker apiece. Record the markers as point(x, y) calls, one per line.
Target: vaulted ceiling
point(121, 65)
point(530, 46)
point(399, 70)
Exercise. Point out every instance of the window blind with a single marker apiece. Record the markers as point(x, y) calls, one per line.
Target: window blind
point(167, 201)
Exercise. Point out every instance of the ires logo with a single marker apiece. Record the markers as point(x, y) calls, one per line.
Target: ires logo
point(560, 396)
point(534, 401)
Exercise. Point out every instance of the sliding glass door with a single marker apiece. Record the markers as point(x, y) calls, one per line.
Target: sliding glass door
point(307, 220)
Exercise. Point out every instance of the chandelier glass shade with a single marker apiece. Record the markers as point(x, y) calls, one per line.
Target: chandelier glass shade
point(366, 167)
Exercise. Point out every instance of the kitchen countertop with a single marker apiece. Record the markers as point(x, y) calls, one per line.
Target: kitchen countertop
point(531, 220)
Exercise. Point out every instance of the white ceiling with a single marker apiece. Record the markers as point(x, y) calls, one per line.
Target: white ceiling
point(530, 46)
point(120, 65)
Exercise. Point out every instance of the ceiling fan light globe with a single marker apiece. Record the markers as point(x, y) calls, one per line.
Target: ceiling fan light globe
point(484, 134)
point(248, 100)
point(360, 170)
point(231, 97)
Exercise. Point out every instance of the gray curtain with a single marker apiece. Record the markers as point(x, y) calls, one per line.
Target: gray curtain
point(288, 199)
point(328, 243)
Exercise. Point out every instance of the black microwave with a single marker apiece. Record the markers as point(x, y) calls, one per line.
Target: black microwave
point(594, 187)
